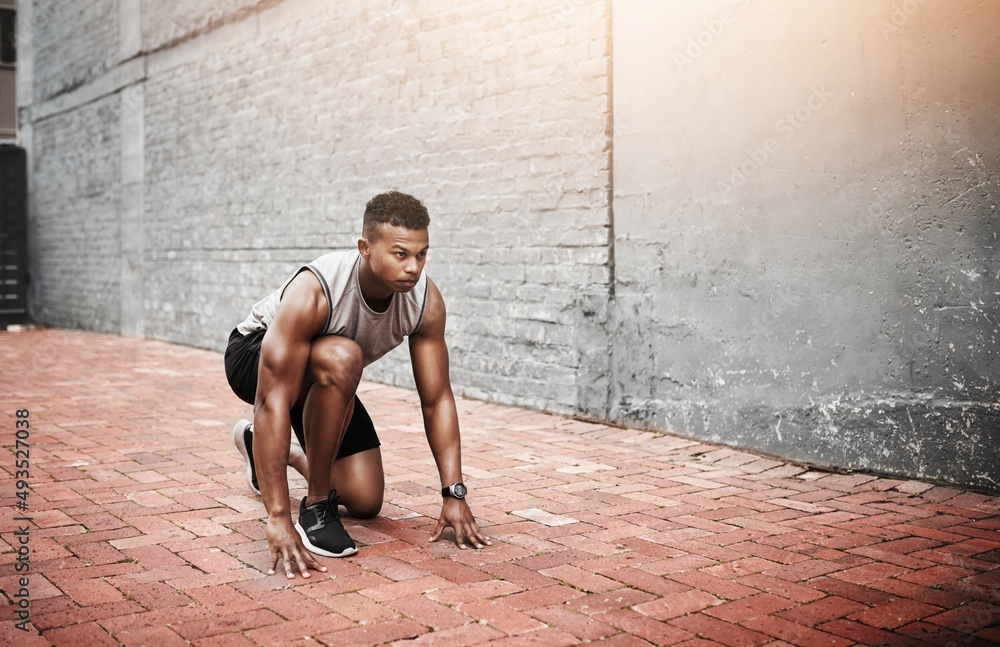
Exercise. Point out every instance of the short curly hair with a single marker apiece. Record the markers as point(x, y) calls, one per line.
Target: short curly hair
point(396, 209)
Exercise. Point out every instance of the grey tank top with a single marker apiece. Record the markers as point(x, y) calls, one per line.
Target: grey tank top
point(349, 315)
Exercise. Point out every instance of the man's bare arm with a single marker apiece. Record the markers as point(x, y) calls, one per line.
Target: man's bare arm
point(284, 356)
point(429, 357)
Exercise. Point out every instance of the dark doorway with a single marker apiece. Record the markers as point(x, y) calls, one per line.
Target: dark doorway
point(13, 236)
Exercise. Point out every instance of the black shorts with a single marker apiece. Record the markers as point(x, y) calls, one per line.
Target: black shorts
point(242, 360)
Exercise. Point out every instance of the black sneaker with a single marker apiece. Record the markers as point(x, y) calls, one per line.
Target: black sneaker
point(243, 439)
point(321, 530)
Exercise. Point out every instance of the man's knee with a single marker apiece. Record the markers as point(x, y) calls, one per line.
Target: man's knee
point(365, 509)
point(336, 361)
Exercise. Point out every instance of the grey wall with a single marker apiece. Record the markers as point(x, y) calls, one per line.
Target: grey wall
point(240, 138)
point(806, 229)
point(772, 227)
point(81, 37)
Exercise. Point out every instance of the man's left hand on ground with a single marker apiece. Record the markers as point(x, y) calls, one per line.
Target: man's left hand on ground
point(456, 513)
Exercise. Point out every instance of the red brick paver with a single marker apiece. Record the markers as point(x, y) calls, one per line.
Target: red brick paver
point(142, 531)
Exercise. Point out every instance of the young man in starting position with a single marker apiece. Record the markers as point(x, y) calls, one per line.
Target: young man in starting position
point(298, 358)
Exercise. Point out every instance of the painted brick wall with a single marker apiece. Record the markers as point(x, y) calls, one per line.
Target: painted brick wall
point(73, 42)
point(268, 125)
point(167, 23)
point(75, 218)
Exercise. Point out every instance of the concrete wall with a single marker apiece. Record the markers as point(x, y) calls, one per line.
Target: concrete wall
point(806, 223)
point(792, 250)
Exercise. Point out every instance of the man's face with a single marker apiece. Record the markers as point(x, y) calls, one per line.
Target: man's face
point(397, 256)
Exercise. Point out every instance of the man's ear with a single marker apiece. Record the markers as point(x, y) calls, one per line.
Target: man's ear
point(364, 248)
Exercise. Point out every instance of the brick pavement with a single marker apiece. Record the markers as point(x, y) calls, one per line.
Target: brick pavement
point(144, 532)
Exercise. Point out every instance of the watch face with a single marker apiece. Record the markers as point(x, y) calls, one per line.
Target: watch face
point(459, 490)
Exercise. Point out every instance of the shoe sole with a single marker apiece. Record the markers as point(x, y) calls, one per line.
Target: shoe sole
point(241, 445)
point(347, 552)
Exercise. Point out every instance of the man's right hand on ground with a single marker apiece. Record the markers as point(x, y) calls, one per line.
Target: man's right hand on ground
point(286, 545)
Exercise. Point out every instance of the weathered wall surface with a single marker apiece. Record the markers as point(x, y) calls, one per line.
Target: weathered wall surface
point(259, 129)
point(806, 229)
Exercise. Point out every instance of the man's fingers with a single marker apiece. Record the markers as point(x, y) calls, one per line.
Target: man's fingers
point(313, 562)
point(465, 537)
point(274, 562)
point(467, 531)
point(437, 531)
point(481, 536)
point(286, 558)
point(309, 561)
point(301, 560)
point(475, 536)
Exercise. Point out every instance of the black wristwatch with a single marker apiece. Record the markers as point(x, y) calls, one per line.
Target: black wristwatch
point(458, 490)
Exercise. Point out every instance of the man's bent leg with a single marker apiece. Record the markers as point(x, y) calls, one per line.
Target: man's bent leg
point(327, 401)
point(360, 482)
point(332, 377)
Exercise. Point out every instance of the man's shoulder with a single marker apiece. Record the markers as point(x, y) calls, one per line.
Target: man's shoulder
point(433, 311)
point(335, 257)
